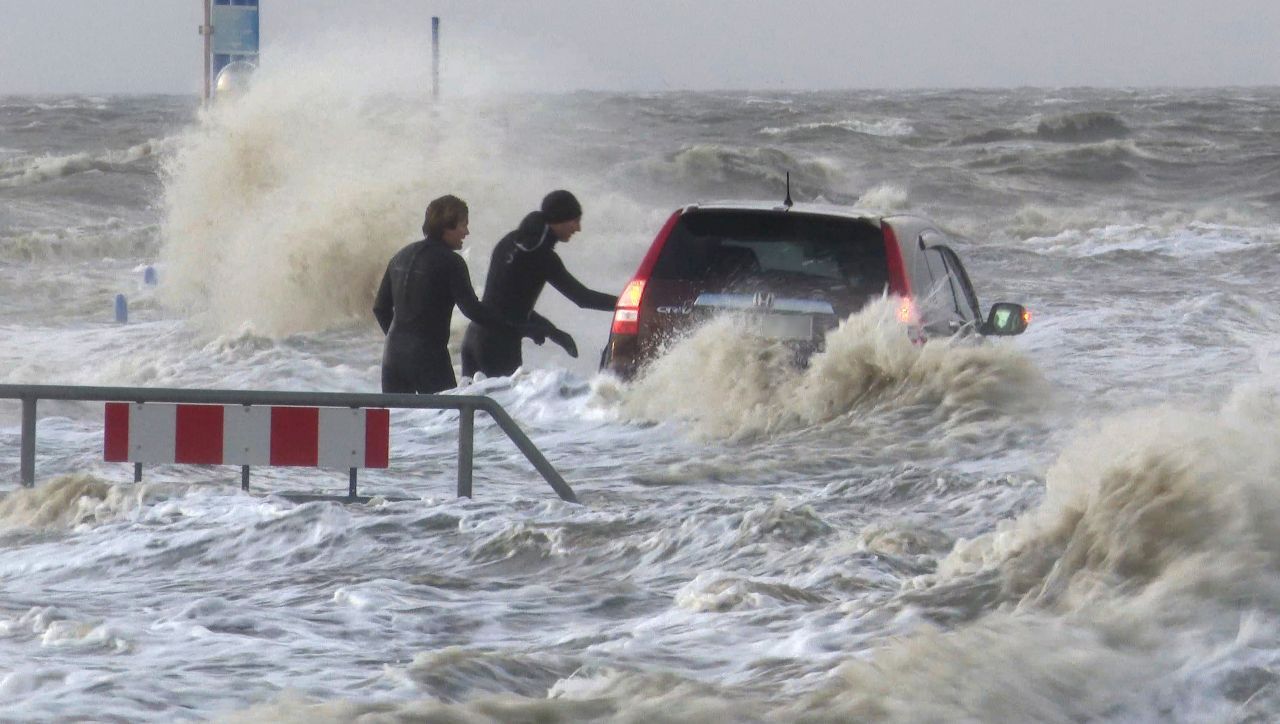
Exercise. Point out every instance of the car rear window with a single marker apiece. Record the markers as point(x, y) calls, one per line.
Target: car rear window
point(710, 245)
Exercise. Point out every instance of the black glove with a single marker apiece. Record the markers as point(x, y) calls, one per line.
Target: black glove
point(562, 338)
point(534, 331)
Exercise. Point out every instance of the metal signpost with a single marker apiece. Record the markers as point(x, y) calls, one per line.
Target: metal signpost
point(230, 33)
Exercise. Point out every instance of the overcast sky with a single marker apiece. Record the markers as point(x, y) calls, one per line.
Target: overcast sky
point(106, 46)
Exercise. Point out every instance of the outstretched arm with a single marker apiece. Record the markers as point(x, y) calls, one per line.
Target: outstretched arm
point(553, 333)
point(566, 284)
point(464, 295)
point(540, 320)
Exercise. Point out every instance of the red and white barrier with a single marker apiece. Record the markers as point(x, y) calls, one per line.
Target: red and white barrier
point(326, 437)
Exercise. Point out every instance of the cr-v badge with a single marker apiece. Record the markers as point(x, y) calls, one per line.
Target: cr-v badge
point(685, 308)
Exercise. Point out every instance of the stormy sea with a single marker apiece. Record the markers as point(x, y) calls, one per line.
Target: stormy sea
point(1081, 523)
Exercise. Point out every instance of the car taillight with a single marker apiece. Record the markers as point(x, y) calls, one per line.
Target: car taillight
point(899, 282)
point(907, 311)
point(626, 316)
point(1026, 317)
point(908, 315)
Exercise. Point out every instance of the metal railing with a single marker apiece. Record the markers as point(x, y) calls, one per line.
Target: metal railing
point(466, 405)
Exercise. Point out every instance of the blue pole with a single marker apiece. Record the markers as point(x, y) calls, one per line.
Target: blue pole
point(122, 309)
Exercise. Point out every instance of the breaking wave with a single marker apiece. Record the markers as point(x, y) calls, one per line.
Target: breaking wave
point(729, 384)
point(1150, 566)
point(836, 130)
point(283, 205)
point(711, 171)
point(884, 199)
point(56, 630)
point(1000, 669)
point(68, 502)
point(28, 171)
point(1082, 127)
point(1086, 127)
point(457, 673)
point(1107, 161)
point(1167, 237)
point(282, 209)
point(111, 237)
point(1075, 229)
point(1164, 504)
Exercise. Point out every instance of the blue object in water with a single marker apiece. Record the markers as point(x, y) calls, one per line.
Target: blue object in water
point(122, 309)
point(149, 276)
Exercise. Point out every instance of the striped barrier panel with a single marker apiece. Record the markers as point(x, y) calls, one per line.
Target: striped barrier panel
point(326, 437)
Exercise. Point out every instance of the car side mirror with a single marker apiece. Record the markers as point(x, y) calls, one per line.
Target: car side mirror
point(1006, 319)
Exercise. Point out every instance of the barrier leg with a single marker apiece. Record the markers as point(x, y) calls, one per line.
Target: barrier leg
point(531, 452)
point(28, 466)
point(351, 485)
point(466, 434)
point(137, 472)
point(244, 478)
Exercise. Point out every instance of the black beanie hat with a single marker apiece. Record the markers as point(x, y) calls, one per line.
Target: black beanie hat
point(560, 206)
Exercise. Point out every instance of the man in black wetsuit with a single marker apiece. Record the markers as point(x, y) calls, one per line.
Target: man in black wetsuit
point(415, 301)
point(522, 263)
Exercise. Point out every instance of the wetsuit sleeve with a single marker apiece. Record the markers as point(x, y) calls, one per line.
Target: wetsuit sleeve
point(464, 295)
point(540, 320)
point(382, 303)
point(566, 284)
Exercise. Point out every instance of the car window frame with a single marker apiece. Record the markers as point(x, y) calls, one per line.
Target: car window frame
point(930, 243)
point(956, 271)
point(665, 262)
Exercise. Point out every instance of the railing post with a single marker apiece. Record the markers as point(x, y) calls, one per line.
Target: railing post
point(466, 435)
point(28, 464)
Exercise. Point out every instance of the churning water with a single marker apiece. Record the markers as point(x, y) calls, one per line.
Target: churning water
point(1081, 523)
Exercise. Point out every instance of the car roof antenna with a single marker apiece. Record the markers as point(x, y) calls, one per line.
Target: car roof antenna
point(787, 201)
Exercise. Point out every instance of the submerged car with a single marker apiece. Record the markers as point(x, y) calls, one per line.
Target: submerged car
point(793, 271)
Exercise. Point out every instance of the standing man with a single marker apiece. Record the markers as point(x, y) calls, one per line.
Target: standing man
point(523, 261)
point(415, 301)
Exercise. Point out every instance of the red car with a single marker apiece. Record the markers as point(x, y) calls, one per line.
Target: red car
point(795, 271)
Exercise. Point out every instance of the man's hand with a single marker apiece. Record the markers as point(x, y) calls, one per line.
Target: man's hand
point(534, 331)
point(562, 338)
